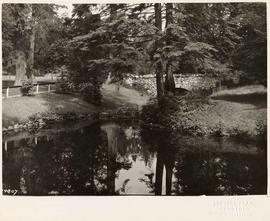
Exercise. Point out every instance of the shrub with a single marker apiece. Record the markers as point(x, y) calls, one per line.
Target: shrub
point(261, 127)
point(64, 86)
point(69, 116)
point(90, 92)
point(27, 88)
point(239, 134)
point(176, 113)
point(150, 112)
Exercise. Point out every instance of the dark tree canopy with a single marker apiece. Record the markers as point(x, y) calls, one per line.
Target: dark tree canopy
point(215, 39)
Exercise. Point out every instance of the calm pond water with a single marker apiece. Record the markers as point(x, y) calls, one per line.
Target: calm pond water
point(112, 158)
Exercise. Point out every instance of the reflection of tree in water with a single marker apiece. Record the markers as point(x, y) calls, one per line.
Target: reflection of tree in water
point(90, 167)
point(88, 161)
point(193, 172)
point(116, 143)
point(124, 148)
point(163, 142)
point(19, 169)
point(213, 173)
point(82, 162)
point(134, 146)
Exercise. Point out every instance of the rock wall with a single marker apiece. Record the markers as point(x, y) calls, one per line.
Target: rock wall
point(195, 82)
point(188, 81)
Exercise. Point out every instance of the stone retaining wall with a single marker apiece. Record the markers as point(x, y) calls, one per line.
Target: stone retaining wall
point(187, 81)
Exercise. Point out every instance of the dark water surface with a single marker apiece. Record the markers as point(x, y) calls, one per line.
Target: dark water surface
point(121, 158)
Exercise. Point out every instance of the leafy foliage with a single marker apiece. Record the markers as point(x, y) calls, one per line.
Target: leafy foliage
point(90, 92)
point(123, 39)
point(64, 86)
point(172, 109)
point(29, 31)
point(251, 55)
point(27, 87)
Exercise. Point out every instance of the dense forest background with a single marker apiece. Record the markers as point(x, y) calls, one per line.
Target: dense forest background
point(220, 40)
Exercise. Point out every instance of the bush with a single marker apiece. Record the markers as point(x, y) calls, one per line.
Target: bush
point(150, 112)
point(176, 113)
point(239, 134)
point(91, 93)
point(27, 88)
point(64, 86)
point(261, 127)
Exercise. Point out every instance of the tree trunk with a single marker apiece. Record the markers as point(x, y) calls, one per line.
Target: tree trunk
point(159, 175)
point(159, 82)
point(159, 68)
point(32, 45)
point(169, 165)
point(20, 68)
point(158, 17)
point(113, 15)
point(169, 80)
point(169, 14)
point(31, 53)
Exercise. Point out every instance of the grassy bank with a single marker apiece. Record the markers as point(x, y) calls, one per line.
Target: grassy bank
point(238, 113)
point(20, 109)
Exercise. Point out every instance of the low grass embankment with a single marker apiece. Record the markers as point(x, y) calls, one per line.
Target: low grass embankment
point(22, 109)
point(240, 113)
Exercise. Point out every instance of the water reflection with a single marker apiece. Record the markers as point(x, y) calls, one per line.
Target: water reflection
point(121, 158)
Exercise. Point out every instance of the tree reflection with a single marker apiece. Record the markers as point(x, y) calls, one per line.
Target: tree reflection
point(84, 162)
point(94, 161)
point(116, 143)
point(165, 160)
point(164, 144)
point(213, 173)
point(204, 171)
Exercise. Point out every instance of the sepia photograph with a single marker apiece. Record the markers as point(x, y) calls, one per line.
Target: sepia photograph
point(134, 99)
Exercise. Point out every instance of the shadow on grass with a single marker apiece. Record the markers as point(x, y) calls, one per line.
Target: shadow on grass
point(62, 103)
point(257, 99)
point(110, 102)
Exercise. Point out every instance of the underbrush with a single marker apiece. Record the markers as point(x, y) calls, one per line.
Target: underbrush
point(64, 86)
point(124, 113)
point(176, 113)
point(261, 128)
point(90, 92)
point(27, 88)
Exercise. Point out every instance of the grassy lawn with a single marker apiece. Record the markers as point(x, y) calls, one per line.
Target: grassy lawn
point(113, 98)
point(19, 109)
point(240, 112)
point(236, 109)
point(232, 110)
